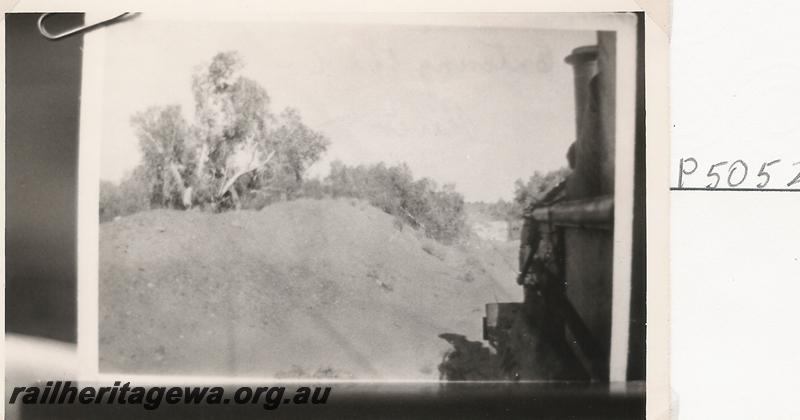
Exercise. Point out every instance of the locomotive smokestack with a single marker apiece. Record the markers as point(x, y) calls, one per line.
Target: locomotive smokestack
point(584, 64)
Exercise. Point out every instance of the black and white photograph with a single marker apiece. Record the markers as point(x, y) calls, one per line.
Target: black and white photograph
point(367, 200)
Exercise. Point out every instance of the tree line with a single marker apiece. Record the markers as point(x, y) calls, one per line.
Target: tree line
point(238, 154)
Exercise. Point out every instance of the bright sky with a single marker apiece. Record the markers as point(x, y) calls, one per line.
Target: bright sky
point(478, 107)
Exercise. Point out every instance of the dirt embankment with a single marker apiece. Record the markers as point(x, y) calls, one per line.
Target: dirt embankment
point(332, 288)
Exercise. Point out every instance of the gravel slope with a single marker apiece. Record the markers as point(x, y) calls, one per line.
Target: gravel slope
point(324, 288)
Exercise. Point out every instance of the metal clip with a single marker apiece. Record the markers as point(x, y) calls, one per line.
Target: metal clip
point(84, 28)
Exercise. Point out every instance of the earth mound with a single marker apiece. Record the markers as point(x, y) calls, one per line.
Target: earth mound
point(307, 288)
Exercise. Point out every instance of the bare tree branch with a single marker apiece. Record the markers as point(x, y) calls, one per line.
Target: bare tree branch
point(243, 171)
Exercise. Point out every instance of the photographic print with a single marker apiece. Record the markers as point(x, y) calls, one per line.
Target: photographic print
point(424, 197)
